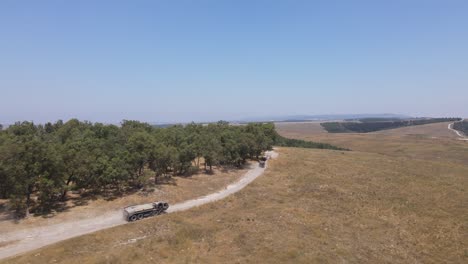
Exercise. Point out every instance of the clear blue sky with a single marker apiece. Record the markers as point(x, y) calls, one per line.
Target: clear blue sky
point(209, 60)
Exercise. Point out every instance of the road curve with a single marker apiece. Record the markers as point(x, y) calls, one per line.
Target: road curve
point(18, 242)
point(460, 134)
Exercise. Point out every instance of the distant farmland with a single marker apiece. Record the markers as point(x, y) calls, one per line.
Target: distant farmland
point(372, 124)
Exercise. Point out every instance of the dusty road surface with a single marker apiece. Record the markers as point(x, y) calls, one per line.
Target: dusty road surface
point(462, 137)
point(17, 242)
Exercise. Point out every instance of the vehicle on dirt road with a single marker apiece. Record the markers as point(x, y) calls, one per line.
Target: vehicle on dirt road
point(262, 161)
point(138, 212)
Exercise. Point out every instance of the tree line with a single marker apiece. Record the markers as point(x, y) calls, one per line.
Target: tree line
point(299, 143)
point(369, 125)
point(461, 126)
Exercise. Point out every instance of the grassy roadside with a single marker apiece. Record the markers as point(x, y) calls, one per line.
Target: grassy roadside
point(310, 206)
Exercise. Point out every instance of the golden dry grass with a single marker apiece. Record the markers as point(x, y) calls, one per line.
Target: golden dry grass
point(426, 142)
point(299, 128)
point(311, 206)
point(435, 130)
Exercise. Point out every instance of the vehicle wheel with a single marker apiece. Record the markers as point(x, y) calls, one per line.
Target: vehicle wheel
point(132, 218)
point(140, 216)
point(165, 206)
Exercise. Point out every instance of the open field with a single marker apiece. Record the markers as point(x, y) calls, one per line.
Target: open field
point(436, 130)
point(173, 190)
point(298, 128)
point(395, 199)
point(433, 142)
point(303, 129)
point(368, 125)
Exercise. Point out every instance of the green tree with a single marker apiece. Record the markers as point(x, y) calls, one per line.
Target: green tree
point(211, 150)
point(139, 146)
point(162, 159)
point(31, 160)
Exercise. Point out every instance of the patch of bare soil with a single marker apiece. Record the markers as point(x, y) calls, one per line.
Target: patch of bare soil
point(7, 243)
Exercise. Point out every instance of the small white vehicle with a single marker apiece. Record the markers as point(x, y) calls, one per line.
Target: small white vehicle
point(138, 212)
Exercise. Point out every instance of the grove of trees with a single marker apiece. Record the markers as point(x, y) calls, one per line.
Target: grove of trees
point(40, 164)
point(371, 124)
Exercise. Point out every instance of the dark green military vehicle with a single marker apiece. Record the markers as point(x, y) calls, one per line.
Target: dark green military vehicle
point(138, 212)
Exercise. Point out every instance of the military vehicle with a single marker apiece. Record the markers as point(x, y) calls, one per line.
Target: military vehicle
point(138, 212)
point(262, 161)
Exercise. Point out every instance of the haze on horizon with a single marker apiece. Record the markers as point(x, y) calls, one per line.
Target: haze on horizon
point(178, 61)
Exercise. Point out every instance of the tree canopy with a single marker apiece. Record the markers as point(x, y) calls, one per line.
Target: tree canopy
point(39, 164)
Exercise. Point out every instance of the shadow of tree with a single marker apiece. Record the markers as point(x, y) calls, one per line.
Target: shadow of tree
point(5, 212)
point(79, 198)
point(166, 180)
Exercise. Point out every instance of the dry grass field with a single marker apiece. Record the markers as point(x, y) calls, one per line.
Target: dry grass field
point(298, 128)
point(433, 142)
point(436, 130)
point(396, 199)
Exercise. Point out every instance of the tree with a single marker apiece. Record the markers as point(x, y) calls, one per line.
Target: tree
point(162, 159)
point(211, 150)
point(230, 148)
point(114, 171)
point(6, 179)
point(186, 155)
point(194, 132)
point(5, 184)
point(31, 160)
point(139, 146)
point(76, 157)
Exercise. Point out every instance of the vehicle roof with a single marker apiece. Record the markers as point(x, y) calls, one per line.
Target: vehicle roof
point(140, 207)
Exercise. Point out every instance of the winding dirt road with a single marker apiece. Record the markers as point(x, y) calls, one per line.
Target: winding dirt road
point(462, 137)
point(18, 242)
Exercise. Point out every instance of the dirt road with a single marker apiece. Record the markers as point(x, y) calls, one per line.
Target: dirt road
point(17, 242)
point(462, 137)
